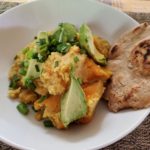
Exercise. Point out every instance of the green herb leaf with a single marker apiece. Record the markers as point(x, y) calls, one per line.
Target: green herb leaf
point(29, 83)
point(48, 123)
point(37, 68)
point(35, 56)
point(22, 108)
point(42, 98)
point(30, 54)
point(14, 82)
point(76, 59)
point(41, 42)
point(22, 71)
point(53, 41)
point(56, 64)
point(24, 64)
point(41, 58)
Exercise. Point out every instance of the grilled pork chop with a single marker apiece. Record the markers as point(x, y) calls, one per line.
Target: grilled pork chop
point(130, 63)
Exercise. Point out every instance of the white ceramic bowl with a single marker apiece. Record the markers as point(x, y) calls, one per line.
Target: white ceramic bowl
point(18, 26)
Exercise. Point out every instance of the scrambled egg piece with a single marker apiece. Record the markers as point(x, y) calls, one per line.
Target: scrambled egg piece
point(56, 70)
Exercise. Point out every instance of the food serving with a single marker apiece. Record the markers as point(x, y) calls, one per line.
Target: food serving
point(129, 61)
point(61, 75)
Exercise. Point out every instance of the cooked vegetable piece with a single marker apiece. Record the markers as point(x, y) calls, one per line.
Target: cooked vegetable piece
point(37, 68)
point(34, 69)
point(87, 43)
point(14, 82)
point(22, 108)
point(48, 123)
point(42, 44)
point(24, 64)
point(30, 54)
point(22, 71)
point(73, 103)
point(28, 82)
point(93, 93)
point(42, 39)
point(102, 45)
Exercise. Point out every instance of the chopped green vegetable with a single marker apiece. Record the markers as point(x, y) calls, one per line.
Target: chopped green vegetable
point(42, 57)
point(56, 64)
point(29, 83)
point(22, 71)
point(63, 48)
point(76, 59)
point(42, 44)
point(41, 41)
point(30, 54)
point(37, 68)
point(86, 42)
point(53, 41)
point(48, 123)
point(35, 55)
point(22, 108)
point(42, 98)
point(24, 64)
point(76, 42)
point(14, 82)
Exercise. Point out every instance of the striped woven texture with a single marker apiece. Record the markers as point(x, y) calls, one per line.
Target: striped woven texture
point(130, 5)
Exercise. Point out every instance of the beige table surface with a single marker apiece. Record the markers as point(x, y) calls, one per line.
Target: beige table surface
point(139, 139)
point(125, 5)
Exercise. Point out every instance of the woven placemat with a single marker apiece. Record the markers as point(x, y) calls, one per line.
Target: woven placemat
point(139, 139)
